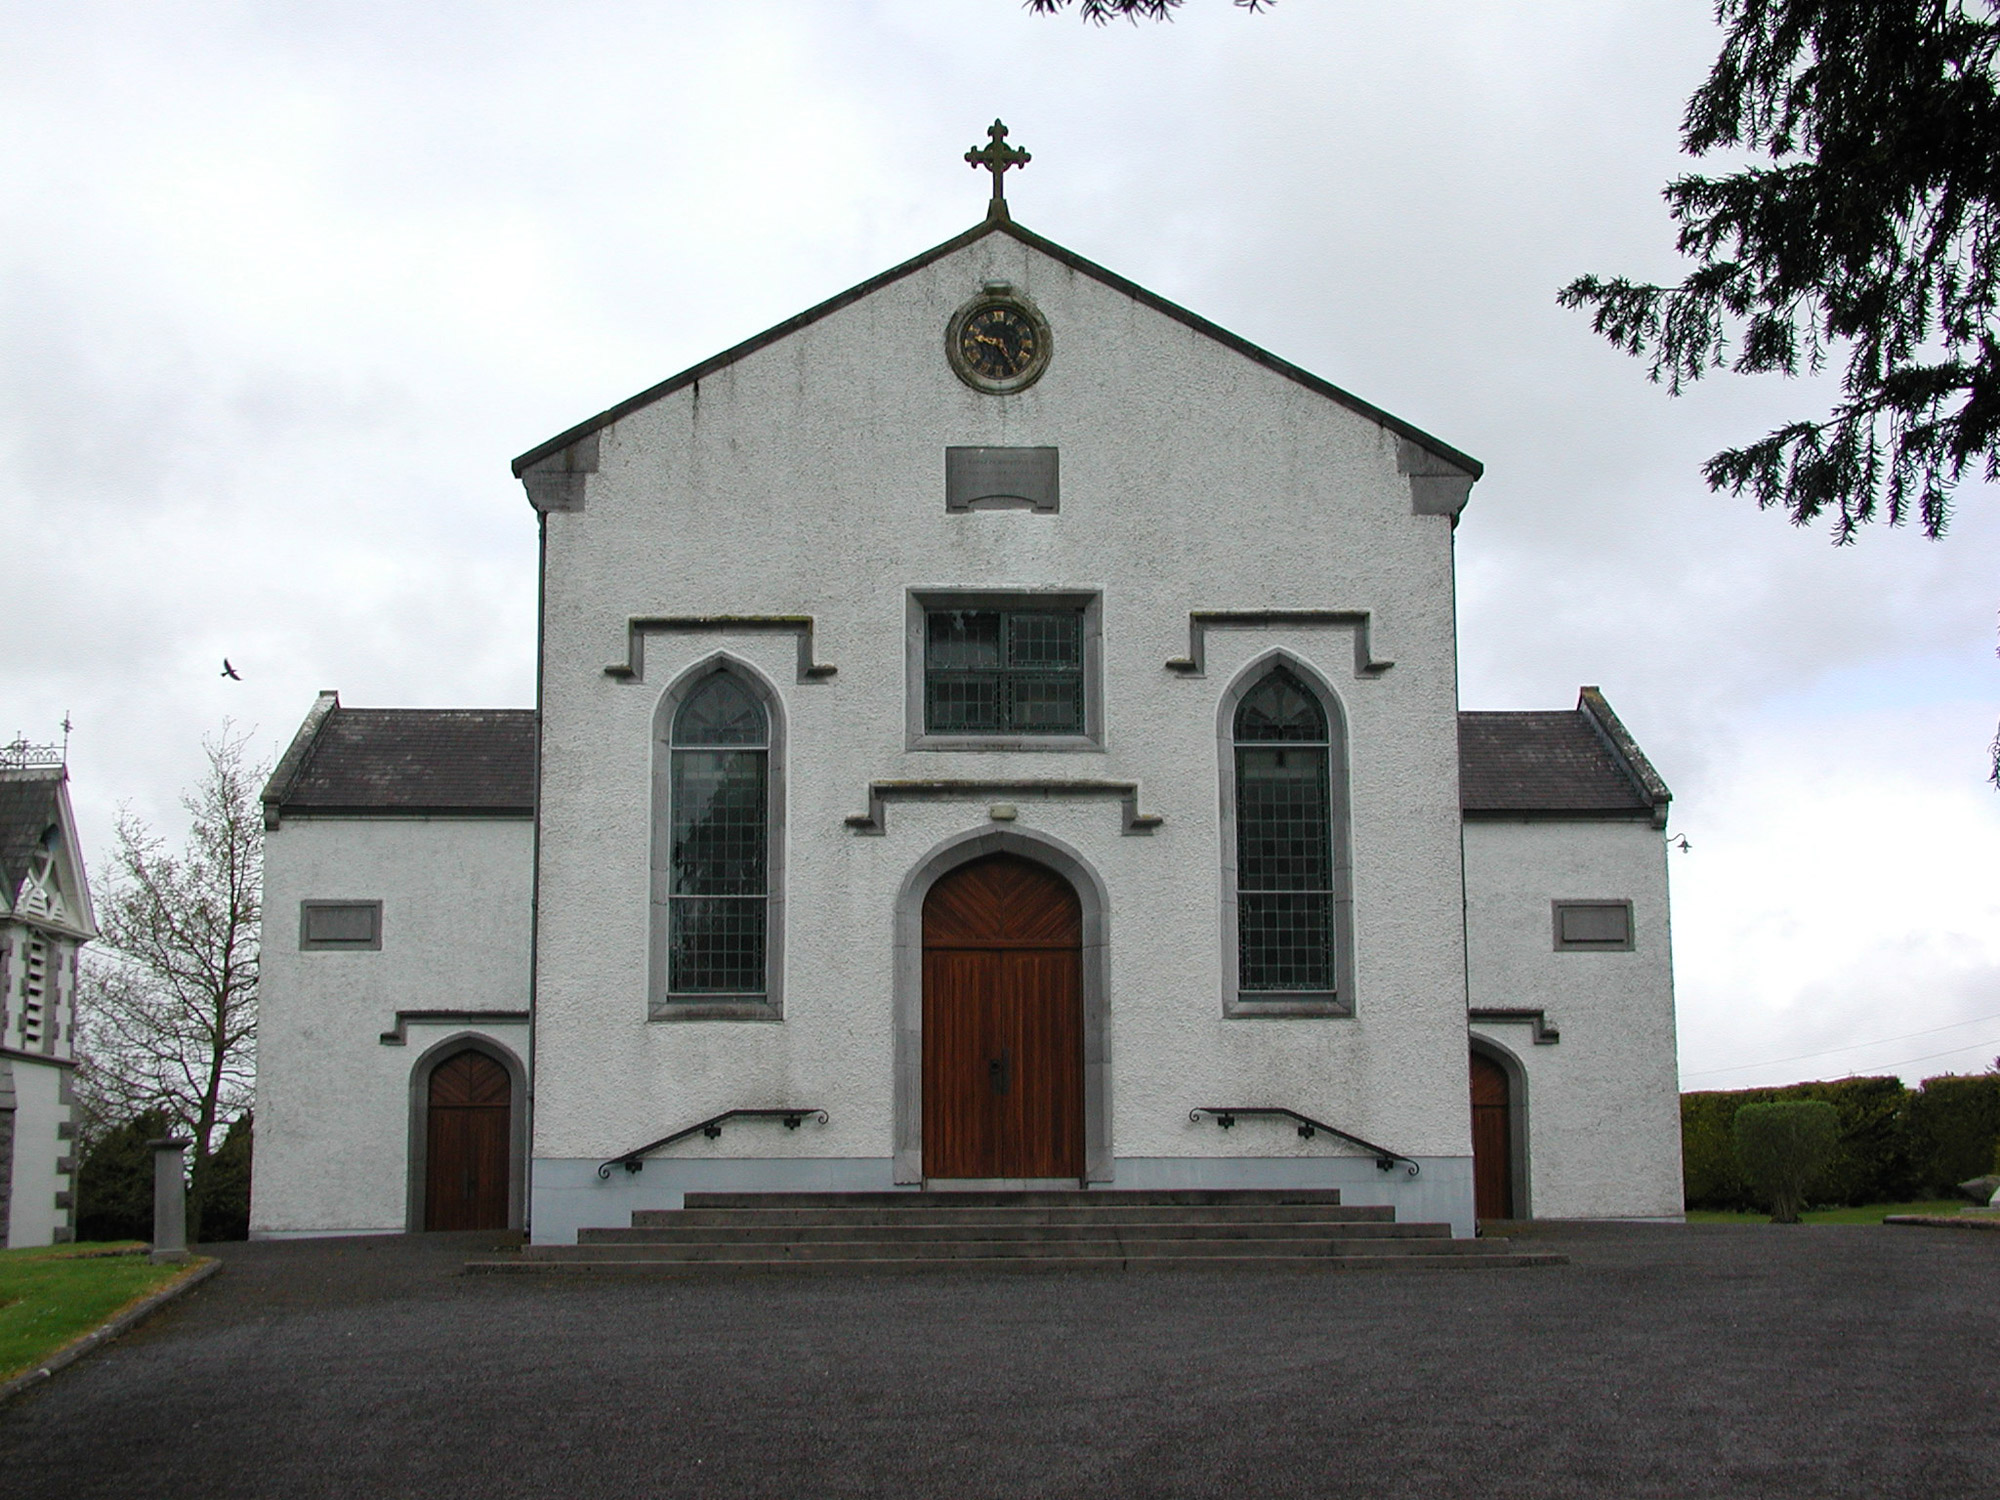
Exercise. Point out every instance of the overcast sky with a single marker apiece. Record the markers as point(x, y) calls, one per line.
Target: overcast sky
point(284, 286)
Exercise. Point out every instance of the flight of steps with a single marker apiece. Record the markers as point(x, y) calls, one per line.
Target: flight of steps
point(723, 1233)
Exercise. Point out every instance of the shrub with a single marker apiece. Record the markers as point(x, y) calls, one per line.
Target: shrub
point(226, 1215)
point(1873, 1165)
point(1783, 1147)
point(114, 1182)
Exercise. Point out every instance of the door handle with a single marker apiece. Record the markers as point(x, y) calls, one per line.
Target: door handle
point(1000, 1070)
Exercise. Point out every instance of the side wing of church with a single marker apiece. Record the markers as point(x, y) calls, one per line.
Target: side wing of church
point(995, 729)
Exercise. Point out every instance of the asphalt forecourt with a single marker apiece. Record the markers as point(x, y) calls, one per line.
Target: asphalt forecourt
point(1660, 1361)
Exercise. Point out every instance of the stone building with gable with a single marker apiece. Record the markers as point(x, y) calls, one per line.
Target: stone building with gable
point(996, 726)
point(45, 918)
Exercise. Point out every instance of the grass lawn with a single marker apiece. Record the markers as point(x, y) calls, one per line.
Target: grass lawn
point(1868, 1213)
point(58, 1293)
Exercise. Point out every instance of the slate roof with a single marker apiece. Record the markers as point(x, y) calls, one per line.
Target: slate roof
point(1577, 762)
point(29, 803)
point(408, 760)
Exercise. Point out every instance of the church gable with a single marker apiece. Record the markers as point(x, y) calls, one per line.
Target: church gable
point(553, 472)
point(41, 872)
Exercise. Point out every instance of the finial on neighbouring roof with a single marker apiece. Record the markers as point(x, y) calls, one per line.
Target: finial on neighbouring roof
point(997, 156)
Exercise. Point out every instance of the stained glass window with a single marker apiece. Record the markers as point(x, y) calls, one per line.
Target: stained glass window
point(1284, 840)
point(719, 786)
point(995, 671)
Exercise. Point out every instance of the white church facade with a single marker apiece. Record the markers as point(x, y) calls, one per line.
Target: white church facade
point(994, 728)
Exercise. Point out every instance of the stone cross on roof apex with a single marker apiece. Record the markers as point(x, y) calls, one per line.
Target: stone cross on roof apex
point(997, 156)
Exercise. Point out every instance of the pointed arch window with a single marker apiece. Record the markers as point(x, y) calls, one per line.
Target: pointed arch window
point(713, 855)
point(1286, 900)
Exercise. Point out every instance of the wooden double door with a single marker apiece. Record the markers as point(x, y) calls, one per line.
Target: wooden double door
point(1003, 1023)
point(469, 1125)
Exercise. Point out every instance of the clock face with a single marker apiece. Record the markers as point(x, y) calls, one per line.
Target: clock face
point(998, 343)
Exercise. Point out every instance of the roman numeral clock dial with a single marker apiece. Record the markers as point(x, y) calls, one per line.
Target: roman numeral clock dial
point(998, 343)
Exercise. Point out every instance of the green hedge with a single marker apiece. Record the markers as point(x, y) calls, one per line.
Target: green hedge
point(114, 1182)
point(227, 1213)
point(1896, 1144)
point(1957, 1122)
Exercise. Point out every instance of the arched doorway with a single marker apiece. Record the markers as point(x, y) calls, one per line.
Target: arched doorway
point(468, 1128)
point(1492, 1139)
point(1002, 1023)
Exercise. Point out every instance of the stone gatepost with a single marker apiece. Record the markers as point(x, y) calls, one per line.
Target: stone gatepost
point(169, 1200)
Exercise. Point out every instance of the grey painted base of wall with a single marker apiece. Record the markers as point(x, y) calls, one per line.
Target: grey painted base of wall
point(319, 1234)
point(566, 1194)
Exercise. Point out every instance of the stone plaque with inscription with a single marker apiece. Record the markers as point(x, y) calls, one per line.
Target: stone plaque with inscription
point(1001, 479)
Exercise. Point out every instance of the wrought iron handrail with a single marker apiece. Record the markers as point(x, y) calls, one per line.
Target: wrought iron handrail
point(634, 1160)
point(1385, 1159)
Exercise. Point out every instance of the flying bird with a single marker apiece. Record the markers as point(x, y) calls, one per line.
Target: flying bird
point(230, 672)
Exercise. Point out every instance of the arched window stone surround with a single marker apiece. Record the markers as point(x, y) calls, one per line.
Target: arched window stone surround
point(1235, 1001)
point(661, 1006)
point(960, 850)
point(1517, 1119)
point(420, 1122)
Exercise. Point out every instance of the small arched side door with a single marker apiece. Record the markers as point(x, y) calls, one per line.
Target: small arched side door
point(469, 1121)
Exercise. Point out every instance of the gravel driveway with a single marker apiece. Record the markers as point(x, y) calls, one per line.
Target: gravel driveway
point(1705, 1361)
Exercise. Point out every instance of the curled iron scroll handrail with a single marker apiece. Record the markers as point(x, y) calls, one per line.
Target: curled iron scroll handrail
point(634, 1160)
point(1385, 1159)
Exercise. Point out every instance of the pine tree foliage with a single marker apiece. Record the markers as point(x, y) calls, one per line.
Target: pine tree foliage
point(1097, 12)
point(114, 1180)
point(169, 1003)
point(1867, 223)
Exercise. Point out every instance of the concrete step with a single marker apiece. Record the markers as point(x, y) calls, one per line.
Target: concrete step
point(749, 1233)
point(1031, 1198)
point(1015, 1265)
point(895, 1231)
point(928, 1211)
point(1027, 1249)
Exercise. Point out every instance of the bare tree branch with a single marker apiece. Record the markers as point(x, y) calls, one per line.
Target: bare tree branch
point(168, 1008)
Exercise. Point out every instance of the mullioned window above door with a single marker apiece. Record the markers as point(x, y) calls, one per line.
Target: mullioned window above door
point(1005, 671)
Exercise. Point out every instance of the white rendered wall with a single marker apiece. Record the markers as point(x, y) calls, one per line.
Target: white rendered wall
point(39, 1112)
point(1603, 1104)
point(333, 1102)
point(808, 478)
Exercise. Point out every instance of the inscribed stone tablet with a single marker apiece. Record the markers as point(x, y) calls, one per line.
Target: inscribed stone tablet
point(1001, 478)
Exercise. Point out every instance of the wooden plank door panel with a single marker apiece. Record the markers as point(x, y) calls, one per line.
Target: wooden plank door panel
point(1492, 1140)
point(1041, 1027)
point(962, 1125)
